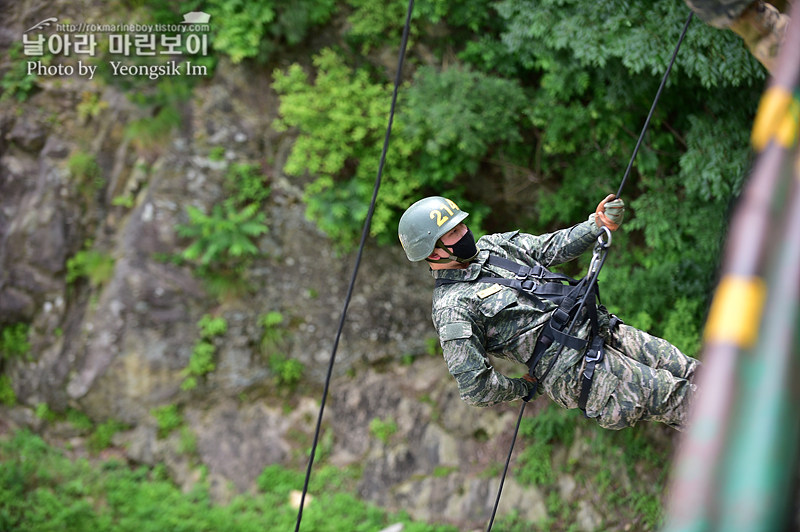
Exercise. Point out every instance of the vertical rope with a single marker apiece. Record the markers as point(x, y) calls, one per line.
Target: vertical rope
point(655, 101)
point(364, 235)
point(505, 469)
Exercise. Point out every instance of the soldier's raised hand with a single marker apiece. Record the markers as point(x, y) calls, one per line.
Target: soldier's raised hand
point(610, 212)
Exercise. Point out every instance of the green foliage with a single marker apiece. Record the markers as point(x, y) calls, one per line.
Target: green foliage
point(288, 371)
point(446, 127)
point(86, 174)
point(95, 265)
point(254, 30)
point(211, 326)
point(273, 334)
point(16, 82)
point(79, 420)
point(433, 347)
point(90, 106)
point(154, 131)
point(223, 238)
point(461, 114)
point(245, 184)
point(168, 418)
point(370, 22)
point(609, 469)
point(551, 426)
point(341, 117)
point(14, 341)
point(103, 433)
point(382, 428)
point(123, 201)
point(217, 153)
point(42, 489)
point(201, 361)
point(43, 412)
point(7, 395)
point(640, 35)
point(222, 243)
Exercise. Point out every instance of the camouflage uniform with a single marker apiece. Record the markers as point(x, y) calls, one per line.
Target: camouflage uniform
point(641, 377)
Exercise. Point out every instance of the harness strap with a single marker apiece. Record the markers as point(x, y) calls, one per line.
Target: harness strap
point(593, 355)
point(533, 282)
point(523, 271)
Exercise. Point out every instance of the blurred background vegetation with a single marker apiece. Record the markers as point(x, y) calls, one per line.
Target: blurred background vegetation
point(524, 112)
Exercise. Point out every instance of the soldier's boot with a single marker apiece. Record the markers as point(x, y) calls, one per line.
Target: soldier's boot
point(763, 28)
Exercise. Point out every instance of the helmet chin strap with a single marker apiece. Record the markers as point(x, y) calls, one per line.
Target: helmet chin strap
point(450, 256)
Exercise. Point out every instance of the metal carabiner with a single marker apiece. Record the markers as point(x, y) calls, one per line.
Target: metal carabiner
point(600, 249)
point(607, 242)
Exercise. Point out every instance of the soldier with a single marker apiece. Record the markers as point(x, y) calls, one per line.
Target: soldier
point(760, 25)
point(498, 297)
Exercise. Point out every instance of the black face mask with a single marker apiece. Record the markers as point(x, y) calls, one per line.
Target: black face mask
point(465, 248)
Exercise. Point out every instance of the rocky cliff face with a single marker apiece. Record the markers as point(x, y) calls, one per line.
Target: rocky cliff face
point(117, 349)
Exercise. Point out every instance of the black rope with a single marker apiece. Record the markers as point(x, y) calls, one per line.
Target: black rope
point(364, 235)
point(505, 469)
point(596, 272)
point(655, 101)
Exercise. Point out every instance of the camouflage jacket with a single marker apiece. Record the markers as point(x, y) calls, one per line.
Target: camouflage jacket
point(477, 319)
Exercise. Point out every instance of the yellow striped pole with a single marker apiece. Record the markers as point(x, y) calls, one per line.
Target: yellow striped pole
point(748, 373)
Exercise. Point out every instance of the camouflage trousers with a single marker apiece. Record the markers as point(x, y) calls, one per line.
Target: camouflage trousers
point(641, 378)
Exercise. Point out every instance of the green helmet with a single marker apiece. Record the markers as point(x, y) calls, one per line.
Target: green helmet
point(424, 223)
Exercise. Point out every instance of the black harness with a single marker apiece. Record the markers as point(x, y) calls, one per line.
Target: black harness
point(538, 283)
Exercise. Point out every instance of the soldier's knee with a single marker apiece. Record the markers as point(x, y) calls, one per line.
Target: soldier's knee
point(621, 411)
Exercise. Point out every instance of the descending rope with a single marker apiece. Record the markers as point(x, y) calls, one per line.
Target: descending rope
point(655, 101)
point(594, 271)
point(364, 234)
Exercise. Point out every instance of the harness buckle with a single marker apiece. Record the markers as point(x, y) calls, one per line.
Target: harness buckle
point(537, 272)
point(559, 317)
point(598, 355)
point(523, 272)
point(528, 285)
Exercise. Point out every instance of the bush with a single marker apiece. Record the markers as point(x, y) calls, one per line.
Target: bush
point(448, 123)
point(245, 185)
point(273, 334)
point(168, 419)
point(101, 437)
point(201, 362)
point(95, 265)
point(382, 428)
point(14, 341)
point(7, 395)
point(42, 489)
point(288, 371)
point(223, 239)
point(16, 82)
point(87, 174)
point(253, 30)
